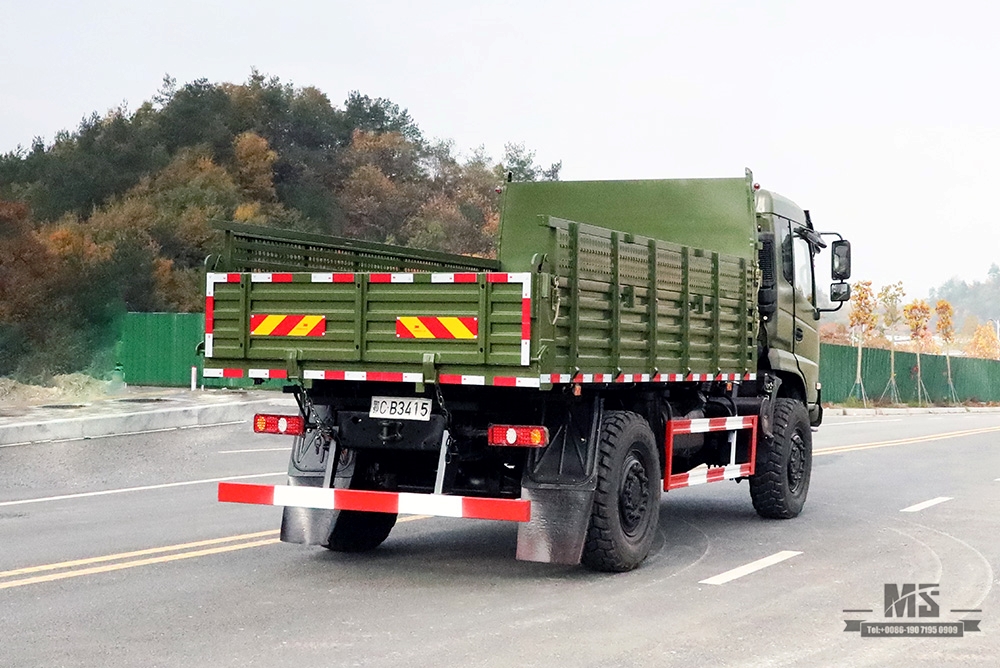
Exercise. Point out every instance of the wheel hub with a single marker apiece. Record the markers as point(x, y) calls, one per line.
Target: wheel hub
point(796, 463)
point(633, 500)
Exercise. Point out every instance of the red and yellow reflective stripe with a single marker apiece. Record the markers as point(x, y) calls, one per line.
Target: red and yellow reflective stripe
point(287, 325)
point(431, 327)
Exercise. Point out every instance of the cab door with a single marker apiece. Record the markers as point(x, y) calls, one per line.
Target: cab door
point(797, 330)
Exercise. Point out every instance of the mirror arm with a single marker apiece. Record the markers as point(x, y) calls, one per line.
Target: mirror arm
point(827, 310)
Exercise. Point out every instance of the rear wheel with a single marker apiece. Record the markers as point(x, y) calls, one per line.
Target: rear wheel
point(356, 531)
point(626, 509)
point(784, 466)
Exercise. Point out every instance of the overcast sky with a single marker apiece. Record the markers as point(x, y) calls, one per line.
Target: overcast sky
point(881, 117)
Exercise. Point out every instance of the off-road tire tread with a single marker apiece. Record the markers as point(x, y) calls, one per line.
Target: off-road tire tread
point(768, 486)
point(357, 531)
point(600, 551)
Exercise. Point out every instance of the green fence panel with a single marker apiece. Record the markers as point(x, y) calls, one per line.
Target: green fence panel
point(973, 379)
point(159, 349)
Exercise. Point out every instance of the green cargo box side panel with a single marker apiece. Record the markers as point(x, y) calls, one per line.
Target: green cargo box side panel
point(624, 303)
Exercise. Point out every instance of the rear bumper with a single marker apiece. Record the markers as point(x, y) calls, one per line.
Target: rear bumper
point(512, 510)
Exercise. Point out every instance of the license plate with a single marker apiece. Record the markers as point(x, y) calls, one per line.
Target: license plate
point(401, 408)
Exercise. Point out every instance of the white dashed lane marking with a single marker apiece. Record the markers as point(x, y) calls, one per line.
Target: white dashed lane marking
point(752, 567)
point(926, 504)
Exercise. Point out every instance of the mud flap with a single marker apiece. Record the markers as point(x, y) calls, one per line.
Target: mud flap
point(560, 482)
point(307, 526)
point(558, 526)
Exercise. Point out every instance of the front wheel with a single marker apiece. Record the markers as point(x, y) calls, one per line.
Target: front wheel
point(626, 508)
point(780, 483)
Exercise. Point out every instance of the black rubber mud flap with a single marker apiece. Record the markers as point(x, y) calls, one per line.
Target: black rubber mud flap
point(306, 526)
point(560, 481)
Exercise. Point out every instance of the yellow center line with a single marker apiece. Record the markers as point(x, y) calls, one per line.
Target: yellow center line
point(133, 564)
point(903, 441)
point(123, 557)
point(136, 553)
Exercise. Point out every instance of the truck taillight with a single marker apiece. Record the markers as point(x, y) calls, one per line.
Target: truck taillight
point(291, 425)
point(518, 435)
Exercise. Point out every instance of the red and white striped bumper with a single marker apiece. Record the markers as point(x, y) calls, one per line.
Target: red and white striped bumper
point(512, 510)
point(702, 475)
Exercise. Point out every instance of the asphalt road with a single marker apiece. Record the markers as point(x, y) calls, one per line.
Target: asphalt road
point(114, 552)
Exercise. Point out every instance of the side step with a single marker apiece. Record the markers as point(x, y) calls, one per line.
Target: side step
point(512, 510)
point(699, 476)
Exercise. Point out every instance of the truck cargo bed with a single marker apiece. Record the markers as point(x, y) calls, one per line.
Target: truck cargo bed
point(599, 306)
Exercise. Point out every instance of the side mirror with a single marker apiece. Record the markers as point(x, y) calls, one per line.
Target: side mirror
point(840, 292)
point(841, 263)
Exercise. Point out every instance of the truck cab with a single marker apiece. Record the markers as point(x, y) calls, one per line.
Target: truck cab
point(793, 295)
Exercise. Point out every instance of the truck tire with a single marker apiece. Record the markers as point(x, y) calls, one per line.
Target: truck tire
point(626, 508)
point(781, 480)
point(356, 531)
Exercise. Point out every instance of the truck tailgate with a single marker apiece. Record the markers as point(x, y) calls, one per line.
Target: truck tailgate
point(305, 321)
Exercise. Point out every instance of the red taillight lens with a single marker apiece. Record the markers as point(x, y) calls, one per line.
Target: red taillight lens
point(518, 435)
point(291, 425)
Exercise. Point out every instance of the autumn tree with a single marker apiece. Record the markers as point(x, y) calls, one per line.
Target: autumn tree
point(890, 297)
point(984, 343)
point(917, 315)
point(117, 214)
point(835, 333)
point(254, 166)
point(26, 284)
point(945, 329)
point(863, 320)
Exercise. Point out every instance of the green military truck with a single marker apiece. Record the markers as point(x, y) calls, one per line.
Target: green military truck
point(632, 337)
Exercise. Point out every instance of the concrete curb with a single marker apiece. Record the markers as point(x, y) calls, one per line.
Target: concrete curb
point(124, 422)
point(929, 410)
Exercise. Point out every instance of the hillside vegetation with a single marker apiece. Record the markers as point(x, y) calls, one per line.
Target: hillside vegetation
point(117, 215)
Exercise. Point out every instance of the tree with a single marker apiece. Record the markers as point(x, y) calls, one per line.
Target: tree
point(984, 343)
point(379, 116)
point(375, 206)
point(835, 333)
point(519, 163)
point(945, 328)
point(117, 213)
point(890, 297)
point(255, 166)
point(26, 287)
point(863, 322)
point(917, 315)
